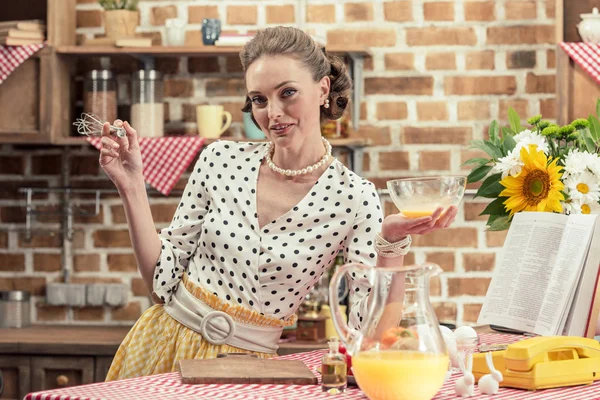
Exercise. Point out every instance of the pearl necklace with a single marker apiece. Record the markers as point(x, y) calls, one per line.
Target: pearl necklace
point(303, 171)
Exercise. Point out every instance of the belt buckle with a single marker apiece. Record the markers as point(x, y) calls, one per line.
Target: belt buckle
point(212, 315)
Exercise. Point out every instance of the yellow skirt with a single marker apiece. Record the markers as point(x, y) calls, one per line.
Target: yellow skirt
point(156, 342)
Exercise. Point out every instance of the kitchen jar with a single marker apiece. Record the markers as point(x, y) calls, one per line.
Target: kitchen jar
point(147, 109)
point(14, 309)
point(589, 27)
point(100, 94)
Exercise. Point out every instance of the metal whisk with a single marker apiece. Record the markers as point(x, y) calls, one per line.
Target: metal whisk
point(91, 125)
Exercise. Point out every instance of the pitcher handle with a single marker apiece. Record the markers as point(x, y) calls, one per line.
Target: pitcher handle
point(227, 122)
point(347, 334)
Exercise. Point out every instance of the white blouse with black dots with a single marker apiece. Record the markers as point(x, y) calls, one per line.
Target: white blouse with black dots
point(215, 235)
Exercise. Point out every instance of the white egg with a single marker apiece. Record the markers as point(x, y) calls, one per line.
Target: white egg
point(465, 332)
point(446, 332)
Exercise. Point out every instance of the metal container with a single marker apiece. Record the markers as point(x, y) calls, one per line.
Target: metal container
point(14, 309)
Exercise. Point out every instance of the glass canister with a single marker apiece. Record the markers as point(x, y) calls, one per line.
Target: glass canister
point(100, 94)
point(147, 108)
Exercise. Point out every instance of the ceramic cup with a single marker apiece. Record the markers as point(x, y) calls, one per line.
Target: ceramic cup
point(212, 120)
point(250, 129)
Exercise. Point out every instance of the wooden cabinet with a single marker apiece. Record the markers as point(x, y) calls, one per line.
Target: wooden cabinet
point(60, 371)
point(16, 372)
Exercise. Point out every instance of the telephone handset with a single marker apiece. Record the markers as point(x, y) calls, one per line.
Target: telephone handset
point(544, 362)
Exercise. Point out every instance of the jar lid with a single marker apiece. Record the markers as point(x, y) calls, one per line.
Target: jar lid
point(14, 295)
point(149, 75)
point(100, 74)
point(593, 15)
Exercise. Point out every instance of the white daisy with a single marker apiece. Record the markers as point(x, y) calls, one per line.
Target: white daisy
point(577, 207)
point(526, 137)
point(511, 164)
point(576, 163)
point(593, 163)
point(583, 187)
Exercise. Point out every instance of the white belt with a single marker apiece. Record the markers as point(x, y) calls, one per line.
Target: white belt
point(217, 327)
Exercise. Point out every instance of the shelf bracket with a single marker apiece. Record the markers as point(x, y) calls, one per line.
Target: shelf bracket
point(356, 64)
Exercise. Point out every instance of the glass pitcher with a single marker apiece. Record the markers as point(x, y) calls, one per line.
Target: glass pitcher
point(399, 352)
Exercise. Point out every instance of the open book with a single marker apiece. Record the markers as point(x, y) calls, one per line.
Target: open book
point(546, 278)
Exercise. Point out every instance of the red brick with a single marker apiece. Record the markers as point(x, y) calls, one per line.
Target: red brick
point(377, 135)
point(432, 36)
point(495, 238)
point(435, 286)
point(437, 61)
point(138, 287)
point(179, 87)
point(3, 240)
point(163, 212)
point(10, 189)
point(394, 160)
point(12, 262)
point(551, 59)
point(399, 61)
point(449, 237)
point(480, 85)
point(13, 215)
point(47, 313)
point(550, 8)
point(437, 135)
point(468, 286)
point(392, 110)
point(354, 12)
point(446, 260)
point(34, 285)
point(521, 59)
point(235, 109)
point(225, 87)
point(95, 279)
point(47, 262)
point(242, 15)
point(473, 209)
point(480, 11)
point(130, 312)
point(366, 162)
point(434, 161)
point(374, 37)
point(521, 106)
point(468, 154)
point(479, 261)
point(88, 314)
point(46, 164)
point(111, 238)
point(520, 9)
point(438, 11)
point(432, 111)
point(320, 13)
point(521, 35)
point(417, 85)
point(39, 241)
point(158, 15)
point(397, 11)
point(548, 108)
point(84, 165)
point(471, 312)
point(480, 60)
point(285, 14)
point(472, 110)
point(12, 165)
point(541, 83)
point(445, 312)
point(197, 13)
point(233, 64)
point(86, 262)
point(121, 263)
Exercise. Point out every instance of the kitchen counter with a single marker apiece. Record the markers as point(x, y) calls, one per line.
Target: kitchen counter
point(89, 340)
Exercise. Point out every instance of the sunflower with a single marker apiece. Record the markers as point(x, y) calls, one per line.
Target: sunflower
point(537, 187)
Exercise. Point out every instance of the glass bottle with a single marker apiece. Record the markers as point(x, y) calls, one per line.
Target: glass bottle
point(147, 108)
point(333, 369)
point(100, 94)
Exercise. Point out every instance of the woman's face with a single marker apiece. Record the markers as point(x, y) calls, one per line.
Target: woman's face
point(285, 99)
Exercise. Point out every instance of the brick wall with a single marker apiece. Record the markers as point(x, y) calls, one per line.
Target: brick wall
point(439, 72)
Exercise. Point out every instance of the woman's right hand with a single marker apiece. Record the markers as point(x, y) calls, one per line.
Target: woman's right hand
point(120, 158)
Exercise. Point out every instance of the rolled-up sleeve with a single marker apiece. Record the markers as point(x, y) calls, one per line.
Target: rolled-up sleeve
point(359, 249)
point(180, 240)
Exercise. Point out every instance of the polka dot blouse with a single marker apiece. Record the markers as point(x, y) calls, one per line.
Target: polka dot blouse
point(215, 237)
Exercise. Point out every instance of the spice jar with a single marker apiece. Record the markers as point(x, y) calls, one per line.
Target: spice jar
point(100, 94)
point(147, 109)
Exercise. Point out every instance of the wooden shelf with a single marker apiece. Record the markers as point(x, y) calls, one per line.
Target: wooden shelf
point(180, 51)
point(346, 142)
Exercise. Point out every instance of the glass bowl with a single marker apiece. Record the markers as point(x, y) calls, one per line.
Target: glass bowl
point(419, 197)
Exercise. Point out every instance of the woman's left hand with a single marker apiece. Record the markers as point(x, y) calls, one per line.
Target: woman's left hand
point(396, 226)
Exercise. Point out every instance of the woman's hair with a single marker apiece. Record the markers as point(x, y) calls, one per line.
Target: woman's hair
point(295, 43)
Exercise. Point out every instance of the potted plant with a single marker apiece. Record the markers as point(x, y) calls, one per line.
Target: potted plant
point(121, 18)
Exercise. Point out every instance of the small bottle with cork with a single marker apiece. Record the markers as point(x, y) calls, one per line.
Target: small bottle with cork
point(333, 369)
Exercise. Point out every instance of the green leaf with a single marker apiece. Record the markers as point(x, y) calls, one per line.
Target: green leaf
point(494, 132)
point(508, 144)
point(491, 187)
point(500, 223)
point(514, 120)
point(479, 161)
point(495, 207)
point(478, 173)
point(488, 147)
point(598, 107)
point(589, 144)
point(594, 128)
point(506, 131)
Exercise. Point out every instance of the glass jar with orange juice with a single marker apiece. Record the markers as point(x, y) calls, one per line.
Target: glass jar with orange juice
point(398, 353)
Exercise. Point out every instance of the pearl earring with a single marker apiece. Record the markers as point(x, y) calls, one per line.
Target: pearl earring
point(326, 105)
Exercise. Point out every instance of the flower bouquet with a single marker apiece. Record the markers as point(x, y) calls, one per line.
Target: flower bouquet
point(544, 167)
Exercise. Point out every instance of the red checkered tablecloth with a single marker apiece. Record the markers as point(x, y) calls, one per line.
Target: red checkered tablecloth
point(168, 387)
point(13, 56)
point(586, 55)
point(165, 159)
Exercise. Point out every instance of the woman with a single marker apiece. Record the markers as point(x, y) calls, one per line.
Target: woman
point(258, 223)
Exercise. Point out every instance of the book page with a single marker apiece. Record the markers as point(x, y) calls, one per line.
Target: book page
point(521, 277)
point(565, 274)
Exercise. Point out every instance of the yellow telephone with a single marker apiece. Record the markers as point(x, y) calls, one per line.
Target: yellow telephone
point(544, 362)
